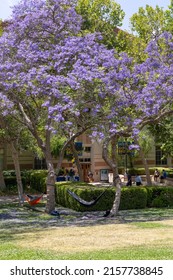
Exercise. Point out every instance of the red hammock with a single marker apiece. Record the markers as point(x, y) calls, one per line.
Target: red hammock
point(33, 200)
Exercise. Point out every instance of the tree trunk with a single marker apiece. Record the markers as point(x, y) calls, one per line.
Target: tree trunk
point(15, 157)
point(50, 184)
point(2, 181)
point(147, 171)
point(78, 164)
point(111, 160)
point(116, 203)
point(144, 160)
point(60, 159)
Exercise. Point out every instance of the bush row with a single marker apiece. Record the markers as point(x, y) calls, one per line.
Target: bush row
point(141, 171)
point(131, 197)
point(35, 179)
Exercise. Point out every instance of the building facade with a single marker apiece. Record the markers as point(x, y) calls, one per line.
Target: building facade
point(90, 157)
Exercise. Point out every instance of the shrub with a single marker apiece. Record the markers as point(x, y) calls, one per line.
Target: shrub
point(11, 183)
point(131, 198)
point(152, 193)
point(38, 180)
point(141, 170)
point(34, 179)
point(164, 199)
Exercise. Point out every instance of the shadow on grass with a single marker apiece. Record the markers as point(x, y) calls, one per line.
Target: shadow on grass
point(15, 219)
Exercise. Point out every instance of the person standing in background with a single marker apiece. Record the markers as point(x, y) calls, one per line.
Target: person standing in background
point(138, 180)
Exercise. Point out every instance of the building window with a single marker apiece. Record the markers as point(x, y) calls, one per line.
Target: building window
point(159, 157)
point(84, 159)
point(40, 163)
point(87, 149)
point(87, 159)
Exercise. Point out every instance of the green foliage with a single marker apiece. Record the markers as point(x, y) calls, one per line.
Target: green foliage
point(11, 182)
point(38, 180)
point(152, 194)
point(1, 28)
point(32, 179)
point(132, 45)
point(149, 22)
point(146, 140)
point(57, 144)
point(146, 24)
point(141, 170)
point(24, 173)
point(101, 16)
point(163, 133)
point(159, 197)
point(169, 18)
point(131, 198)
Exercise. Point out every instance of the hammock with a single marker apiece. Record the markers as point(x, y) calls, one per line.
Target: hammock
point(84, 202)
point(33, 200)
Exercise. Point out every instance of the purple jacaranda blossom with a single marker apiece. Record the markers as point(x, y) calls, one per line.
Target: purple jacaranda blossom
point(133, 147)
point(47, 66)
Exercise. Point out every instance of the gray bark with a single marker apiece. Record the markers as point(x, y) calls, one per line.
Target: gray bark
point(50, 185)
point(2, 181)
point(147, 171)
point(111, 160)
point(78, 164)
point(144, 160)
point(15, 157)
point(51, 177)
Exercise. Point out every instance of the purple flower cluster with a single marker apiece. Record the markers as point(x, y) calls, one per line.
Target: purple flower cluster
point(62, 80)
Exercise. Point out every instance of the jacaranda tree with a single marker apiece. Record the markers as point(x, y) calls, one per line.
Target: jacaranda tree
point(53, 79)
point(50, 76)
point(136, 95)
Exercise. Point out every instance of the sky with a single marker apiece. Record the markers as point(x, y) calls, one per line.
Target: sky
point(129, 7)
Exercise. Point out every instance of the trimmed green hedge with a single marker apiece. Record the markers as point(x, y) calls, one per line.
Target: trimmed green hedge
point(131, 198)
point(11, 182)
point(10, 179)
point(38, 180)
point(141, 171)
point(35, 179)
point(159, 196)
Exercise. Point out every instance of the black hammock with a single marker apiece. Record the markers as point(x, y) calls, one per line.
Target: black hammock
point(84, 202)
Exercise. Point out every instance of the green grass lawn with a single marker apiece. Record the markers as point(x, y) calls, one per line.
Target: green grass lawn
point(133, 235)
point(9, 251)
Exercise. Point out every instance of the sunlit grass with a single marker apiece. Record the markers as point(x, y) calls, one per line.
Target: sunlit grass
point(35, 235)
point(151, 225)
point(12, 252)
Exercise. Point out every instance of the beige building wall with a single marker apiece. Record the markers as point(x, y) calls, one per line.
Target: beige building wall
point(26, 159)
point(99, 166)
point(91, 159)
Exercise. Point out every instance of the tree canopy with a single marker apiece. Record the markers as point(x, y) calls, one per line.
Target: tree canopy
point(57, 79)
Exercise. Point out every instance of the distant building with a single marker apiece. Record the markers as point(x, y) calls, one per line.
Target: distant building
point(90, 157)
